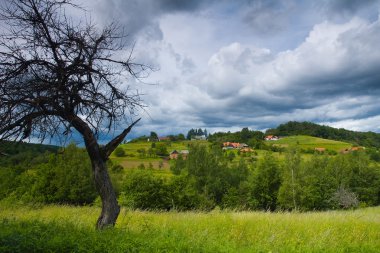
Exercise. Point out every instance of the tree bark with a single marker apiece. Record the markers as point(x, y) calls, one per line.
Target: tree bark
point(103, 184)
point(110, 207)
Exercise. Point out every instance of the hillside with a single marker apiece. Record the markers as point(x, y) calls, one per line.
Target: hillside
point(367, 139)
point(310, 143)
point(150, 154)
point(15, 153)
point(14, 148)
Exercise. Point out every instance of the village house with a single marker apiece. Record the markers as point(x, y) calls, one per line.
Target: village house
point(271, 138)
point(174, 154)
point(234, 145)
point(231, 145)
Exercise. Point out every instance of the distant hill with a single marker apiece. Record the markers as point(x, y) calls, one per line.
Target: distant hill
point(367, 139)
point(310, 143)
point(14, 148)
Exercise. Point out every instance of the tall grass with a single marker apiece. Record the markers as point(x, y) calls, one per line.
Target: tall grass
point(71, 229)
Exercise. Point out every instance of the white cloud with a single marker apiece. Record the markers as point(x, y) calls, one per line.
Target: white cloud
point(214, 73)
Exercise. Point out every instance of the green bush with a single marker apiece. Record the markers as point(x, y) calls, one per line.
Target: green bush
point(119, 152)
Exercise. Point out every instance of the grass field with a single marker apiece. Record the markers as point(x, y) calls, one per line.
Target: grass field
point(71, 229)
point(308, 142)
point(132, 159)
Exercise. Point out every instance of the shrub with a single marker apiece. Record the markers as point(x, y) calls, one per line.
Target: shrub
point(119, 152)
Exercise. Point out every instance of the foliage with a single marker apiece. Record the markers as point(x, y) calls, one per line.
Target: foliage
point(204, 180)
point(153, 136)
point(119, 152)
point(266, 183)
point(196, 132)
point(64, 178)
point(161, 149)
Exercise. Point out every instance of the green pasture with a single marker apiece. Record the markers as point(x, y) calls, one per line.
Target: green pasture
point(309, 142)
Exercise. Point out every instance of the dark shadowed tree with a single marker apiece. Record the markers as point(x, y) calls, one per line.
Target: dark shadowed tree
point(57, 75)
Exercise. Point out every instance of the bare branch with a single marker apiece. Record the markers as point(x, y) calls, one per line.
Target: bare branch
point(112, 145)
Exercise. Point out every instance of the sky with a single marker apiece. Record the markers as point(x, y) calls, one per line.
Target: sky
point(228, 64)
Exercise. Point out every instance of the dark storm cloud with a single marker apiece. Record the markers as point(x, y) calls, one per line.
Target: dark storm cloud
point(137, 15)
point(267, 17)
point(180, 5)
point(350, 6)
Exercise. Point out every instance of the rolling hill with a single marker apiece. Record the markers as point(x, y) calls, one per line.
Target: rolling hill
point(309, 142)
point(367, 139)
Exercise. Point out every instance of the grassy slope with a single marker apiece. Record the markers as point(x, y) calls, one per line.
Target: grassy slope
point(304, 142)
point(135, 161)
point(71, 229)
point(308, 142)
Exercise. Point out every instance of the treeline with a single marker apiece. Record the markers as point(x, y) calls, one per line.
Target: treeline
point(367, 139)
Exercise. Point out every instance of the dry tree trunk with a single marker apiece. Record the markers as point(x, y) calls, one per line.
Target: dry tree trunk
point(110, 207)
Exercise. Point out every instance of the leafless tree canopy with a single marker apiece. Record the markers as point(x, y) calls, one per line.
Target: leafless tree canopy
point(53, 69)
point(57, 74)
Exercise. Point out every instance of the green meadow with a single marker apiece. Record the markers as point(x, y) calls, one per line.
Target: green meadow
point(309, 142)
point(71, 229)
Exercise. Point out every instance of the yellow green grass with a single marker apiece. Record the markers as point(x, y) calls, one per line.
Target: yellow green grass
point(309, 142)
point(71, 229)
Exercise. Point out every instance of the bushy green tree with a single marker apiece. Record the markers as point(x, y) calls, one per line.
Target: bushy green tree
point(119, 152)
point(143, 190)
point(289, 192)
point(161, 149)
point(266, 182)
point(65, 178)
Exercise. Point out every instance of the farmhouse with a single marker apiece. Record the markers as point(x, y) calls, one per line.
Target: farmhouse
point(271, 138)
point(231, 145)
point(234, 145)
point(174, 154)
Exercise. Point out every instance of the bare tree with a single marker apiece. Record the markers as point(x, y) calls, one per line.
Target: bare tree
point(57, 75)
point(344, 198)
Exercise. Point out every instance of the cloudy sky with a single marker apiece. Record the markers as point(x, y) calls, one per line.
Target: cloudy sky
point(228, 64)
